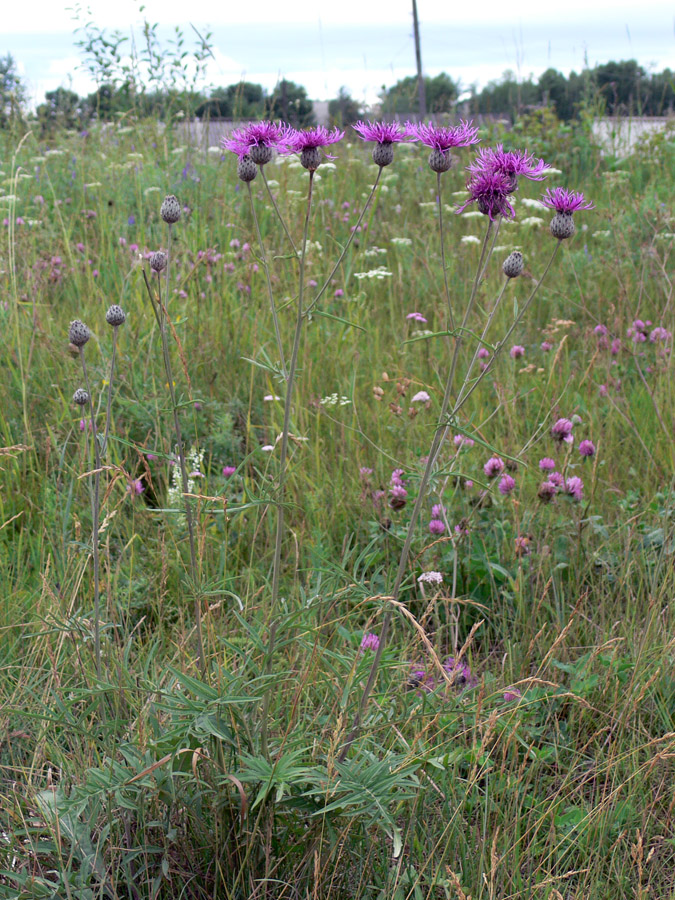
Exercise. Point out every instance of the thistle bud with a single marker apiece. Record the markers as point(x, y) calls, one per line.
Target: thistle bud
point(170, 209)
point(115, 315)
point(78, 333)
point(158, 261)
point(81, 397)
point(383, 154)
point(260, 154)
point(246, 168)
point(513, 264)
point(562, 225)
point(311, 158)
point(440, 161)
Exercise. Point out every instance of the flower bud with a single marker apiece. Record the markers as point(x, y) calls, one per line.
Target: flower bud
point(562, 225)
point(81, 397)
point(383, 154)
point(513, 264)
point(260, 154)
point(246, 168)
point(78, 333)
point(158, 261)
point(115, 315)
point(311, 158)
point(170, 209)
point(440, 161)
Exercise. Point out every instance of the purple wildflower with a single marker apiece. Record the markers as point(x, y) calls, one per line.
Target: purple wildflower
point(489, 191)
point(421, 397)
point(258, 139)
point(547, 464)
point(417, 317)
point(512, 693)
point(229, 470)
point(556, 479)
point(385, 134)
point(511, 163)
point(370, 641)
point(517, 351)
point(436, 526)
point(547, 491)
point(562, 431)
point(546, 346)
point(460, 672)
point(564, 201)
point(430, 578)
point(600, 330)
point(574, 486)
point(494, 467)
point(659, 334)
point(460, 440)
point(307, 144)
point(443, 138)
point(587, 448)
point(437, 510)
point(506, 485)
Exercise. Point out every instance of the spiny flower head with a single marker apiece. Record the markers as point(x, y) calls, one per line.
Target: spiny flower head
point(564, 201)
point(78, 333)
point(490, 191)
point(443, 137)
point(258, 140)
point(382, 132)
point(307, 144)
point(509, 162)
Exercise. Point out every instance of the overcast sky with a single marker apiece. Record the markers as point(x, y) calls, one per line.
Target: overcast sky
point(361, 44)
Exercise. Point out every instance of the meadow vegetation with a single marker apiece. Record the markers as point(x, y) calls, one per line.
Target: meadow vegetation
point(519, 741)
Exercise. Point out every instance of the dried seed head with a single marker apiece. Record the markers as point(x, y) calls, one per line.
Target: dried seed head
point(246, 168)
point(78, 333)
point(81, 397)
point(311, 158)
point(115, 315)
point(158, 261)
point(170, 209)
point(562, 225)
point(440, 161)
point(383, 154)
point(513, 264)
point(260, 154)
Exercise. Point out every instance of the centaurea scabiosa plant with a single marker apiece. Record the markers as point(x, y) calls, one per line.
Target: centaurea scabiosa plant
point(490, 191)
point(160, 262)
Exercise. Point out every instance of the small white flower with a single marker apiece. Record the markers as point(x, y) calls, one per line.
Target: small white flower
point(532, 221)
point(431, 578)
point(421, 397)
point(470, 238)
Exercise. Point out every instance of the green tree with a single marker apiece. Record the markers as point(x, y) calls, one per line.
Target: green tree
point(343, 109)
point(12, 92)
point(62, 109)
point(290, 103)
point(402, 98)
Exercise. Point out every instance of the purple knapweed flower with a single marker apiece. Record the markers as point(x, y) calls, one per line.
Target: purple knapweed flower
point(506, 485)
point(490, 192)
point(562, 431)
point(511, 163)
point(437, 526)
point(370, 641)
point(229, 470)
point(494, 467)
point(587, 448)
point(564, 201)
point(517, 351)
point(547, 464)
point(443, 137)
point(308, 144)
point(385, 134)
point(258, 140)
point(574, 486)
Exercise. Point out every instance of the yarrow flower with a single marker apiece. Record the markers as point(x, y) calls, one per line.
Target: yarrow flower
point(307, 144)
point(443, 139)
point(430, 578)
point(258, 140)
point(420, 397)
point(490, 191)
point(385, 134)
point(511, 163)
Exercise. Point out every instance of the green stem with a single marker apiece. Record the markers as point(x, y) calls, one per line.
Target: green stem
point(277, 211)
point(104, 445)
point(451, 318)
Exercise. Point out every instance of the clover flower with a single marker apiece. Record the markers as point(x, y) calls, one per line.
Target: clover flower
point(574, 486)
point(547, 491)
point(308, 144)
point(258, 140)
point(436, 526)
point(494, 467)
point(506, 485)
point(511, 163)
point(517, 351)
point(442, 139)
point(385, 134)
point(587, 448)
point(490, 191)
point(562, 431)
point(547, 464)
point(369, 641)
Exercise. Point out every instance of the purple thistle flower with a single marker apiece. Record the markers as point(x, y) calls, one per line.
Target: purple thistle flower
point(562, 431)
point(564, 201)
point(460, 672)
point(574, 486)
point(443, 138)
point(382, 132)
point(587, 448)
point(506, 485)
point(258, 139)
point(511, 163)
point(307, 144)
point(494, 467)
point(489, 191)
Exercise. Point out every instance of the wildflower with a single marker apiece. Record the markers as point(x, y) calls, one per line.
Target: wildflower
point(562, 431)
point(417, 317)
point(522, 545)
point(460, 440)
point(158, 261)
point(246, 168)
point(229, 470)
point(421, 397)
point(511, 163)
point(483, 353)
point(81, 398)
point(430, 578)
point(385, 134)
point(517, 351)
point(506, 485)
point(659, 334)
point(170, 209)
point(556, 479)
point(437, 526)
point(513, 265)
point(78, 333)
point(115, 316)
point(437, 510)
point(365, 472)
point(370, 641)
point(547, 491)
point(565, 203)
point(460, 672)
point(136, 486)
point(396, 477)
point(494, 467)
point(546, 346)
point(574, 486)
point(512, 693)
point(442, 139)
point(258, 139)
point(307, 144)
point(602, 390)
point(600, 330)
point(489, 191)
point(616, 346)
point(547, 464)
point(587, 448)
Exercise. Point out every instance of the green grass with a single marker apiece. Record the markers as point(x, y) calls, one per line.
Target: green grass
point(152, 783)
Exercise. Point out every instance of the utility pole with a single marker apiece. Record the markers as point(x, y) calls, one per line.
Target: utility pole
point(418, 57)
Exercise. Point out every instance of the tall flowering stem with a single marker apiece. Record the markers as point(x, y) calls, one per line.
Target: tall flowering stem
point(451, 318)
point(283, 459)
